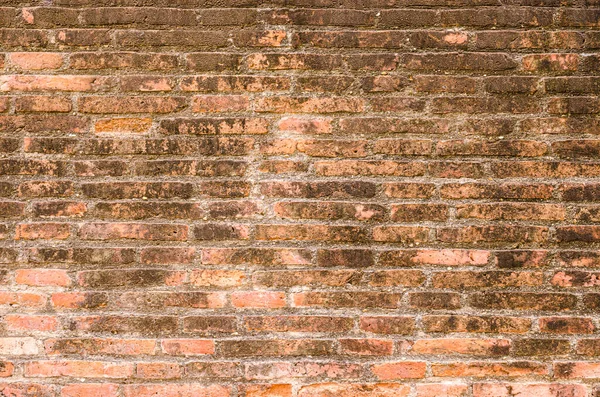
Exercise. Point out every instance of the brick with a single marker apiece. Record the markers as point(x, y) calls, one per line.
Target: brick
point(210, 61)
point(131, 38)
point(91, 390)
point(551, 63)
point(6, 369)
point(302, 369)
point(514, 369)
point(362, 299)
point(442, 389)
point(296, 323)
point(293, 61)
point(79, 300)
point(309, 233)
point(524, 301)
point(526, 390)
point(122, 278)
point(179, 390)
point(147, 325)
point(209, 325)
point(445, 84)
point(406, 278)
point(483, 234)
point(36, 60)
point(588, 347)
point(366, 347)
point(476, 324)
point(49, 16)
point(212, 369)
point(41, 103)
point(355, 390)
point(19, 38)
point(345, 257)
point(123, 124)
point(388, 325)
point(90, 369)
point(134, 16)
point(331, 278)
point(217, 278)
point(158, 370)
point(19, 323)
point(520, 148)
point(401, 370)
point(309, 105)
point(391, 125)
point(574, 370)
point(114, 231)
point(434, 300)
point(83, 37)
point(213, 126)
point(224, 189)
point(467, 346)
point(187, 347)
point(455, 61)
point(24, 346)
point(65, 83)
point(204, 300)
point(130, 104)
point(22, 299)
point(234, 83)
point(566, 325)
point(256, 256)
point(508, 191)
point(403, 147)
point(122, 60)
point(99, 346)
point(258, 299)
point(42, 277)
point(457, 169)
point(329, 210)
point(28, 389)
point(275, 347)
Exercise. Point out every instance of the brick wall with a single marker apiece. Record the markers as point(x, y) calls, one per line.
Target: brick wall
point(307, 198)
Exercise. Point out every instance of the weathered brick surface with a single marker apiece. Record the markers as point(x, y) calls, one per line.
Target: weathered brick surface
point(299, 198)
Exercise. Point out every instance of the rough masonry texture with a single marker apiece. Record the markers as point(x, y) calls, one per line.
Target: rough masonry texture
point(300, 198)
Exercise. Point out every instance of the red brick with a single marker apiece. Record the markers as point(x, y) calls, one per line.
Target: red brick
point(302, 369)
point(187, 347)
point(53, 83)
point(154, 370)
point(442, 389)
point(258, 299)
point(553, 63)
point(115, 231)
point(99, 346)
point(177, 390)
point(90, 390)
point(366, 347)
point(527, 390)
point(467, 346)
point(355, 390)
point(399, 370)
point(20, 323)
point(45, 231)
point(41, 277)
point(36, 60)
point(490, 369)
point(89, 369)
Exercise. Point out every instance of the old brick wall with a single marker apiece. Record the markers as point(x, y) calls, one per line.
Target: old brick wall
point(307, 198)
